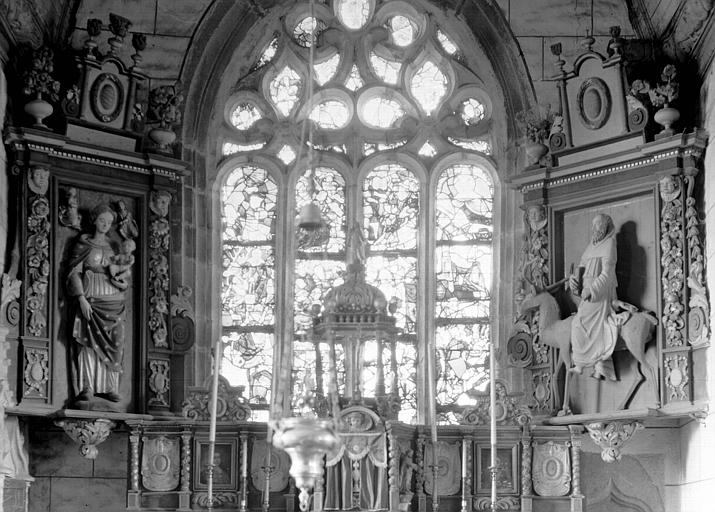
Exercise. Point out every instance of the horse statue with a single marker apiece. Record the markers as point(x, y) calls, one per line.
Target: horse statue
point(635, 334)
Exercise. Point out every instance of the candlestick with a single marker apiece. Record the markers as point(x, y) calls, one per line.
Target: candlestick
point(493, 423)
point(464, 459)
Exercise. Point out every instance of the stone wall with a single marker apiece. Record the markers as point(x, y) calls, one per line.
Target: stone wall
point(67, 482)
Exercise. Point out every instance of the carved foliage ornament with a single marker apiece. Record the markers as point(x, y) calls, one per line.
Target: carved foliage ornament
point(508, 409)
point(9, 293)
point(159, 267)
point(676, 376)
point(182, 318)
point(699, 314)
point(551, 469)
point(231, 406)
point(38, 250)
point(611, 437)
point(503, 503)
point(160, 463)
point(671, 260)
point(88, 433)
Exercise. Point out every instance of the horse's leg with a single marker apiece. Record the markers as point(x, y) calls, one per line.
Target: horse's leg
point(566, 358)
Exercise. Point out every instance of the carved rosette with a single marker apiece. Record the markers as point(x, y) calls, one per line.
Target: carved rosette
point(699, 308)
point(676, 376)
point(551, 469)
point(160, 463)
point(508, 410)
point(672, 259)
point(158, 274)
point(37, 255)
point(159, 382)
point(611, 437)
point(88, 433)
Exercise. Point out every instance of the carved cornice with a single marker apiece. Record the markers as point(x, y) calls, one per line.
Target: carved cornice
point(611, 437)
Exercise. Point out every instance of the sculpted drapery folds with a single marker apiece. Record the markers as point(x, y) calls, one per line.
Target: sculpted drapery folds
point(97, 281)
point(594, 328)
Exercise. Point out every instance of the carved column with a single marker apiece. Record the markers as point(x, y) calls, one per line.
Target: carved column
point(393, 470)
point(36, 346)
point(420, 476)
point(576, 461)
point(134, 493)
point(185, 493)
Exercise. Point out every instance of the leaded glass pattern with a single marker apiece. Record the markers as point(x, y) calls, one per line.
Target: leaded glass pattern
point(284, 90)
point(429, 86)
point(375, 111)
point(463, 263)
point(249, 197)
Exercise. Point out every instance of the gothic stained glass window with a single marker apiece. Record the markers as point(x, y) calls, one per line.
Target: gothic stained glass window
point(249, 196)
point(376, 149)
point(463, 261)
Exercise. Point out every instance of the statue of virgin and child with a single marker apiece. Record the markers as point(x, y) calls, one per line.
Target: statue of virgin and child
point(98, 279)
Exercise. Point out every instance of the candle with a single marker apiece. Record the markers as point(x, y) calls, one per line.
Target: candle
point(244, 457)
point(464, 459)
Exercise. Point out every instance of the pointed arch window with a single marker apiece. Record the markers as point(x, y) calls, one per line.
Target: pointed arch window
point(390, 117)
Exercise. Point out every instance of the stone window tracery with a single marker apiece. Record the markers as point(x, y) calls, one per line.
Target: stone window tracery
point(379, 158)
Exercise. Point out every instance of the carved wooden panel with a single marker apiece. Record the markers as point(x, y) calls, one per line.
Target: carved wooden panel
point(551, 468)
point(160, 463)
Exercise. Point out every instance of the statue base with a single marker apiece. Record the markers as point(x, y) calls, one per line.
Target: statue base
point(97, 403)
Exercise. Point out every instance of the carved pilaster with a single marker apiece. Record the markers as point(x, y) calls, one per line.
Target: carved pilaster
point(393, 471)
point(88, 433)
point(699, 308)
point(134, 461)
point(37, 255)
point(159, 241)
point(185, 494)
point(611, 437)
point(420, 474)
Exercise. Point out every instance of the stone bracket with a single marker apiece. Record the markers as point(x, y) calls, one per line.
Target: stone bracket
point(88, 433)
point(611, 437)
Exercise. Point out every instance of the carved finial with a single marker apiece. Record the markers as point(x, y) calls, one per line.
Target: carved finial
point(94, 27)
point(587, 42)
point(615, 45)
point(139, 44)
point(119, 26)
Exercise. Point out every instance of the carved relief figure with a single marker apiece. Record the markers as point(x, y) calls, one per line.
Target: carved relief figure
point(39, 180)
point(98, 321)
point(594, 329)
point(159, 203)
point(69, 215)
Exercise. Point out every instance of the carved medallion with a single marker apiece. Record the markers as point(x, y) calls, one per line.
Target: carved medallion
point(278, 464)
point(542, 388)
point(594, 103)
point(160, 463)
point(106, 97)
point(676, 376)
point(551, 469)
point(36, 372)
point(159, 382)
point(447, 470)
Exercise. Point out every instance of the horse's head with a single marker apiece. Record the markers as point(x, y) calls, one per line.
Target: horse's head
point(538, 300)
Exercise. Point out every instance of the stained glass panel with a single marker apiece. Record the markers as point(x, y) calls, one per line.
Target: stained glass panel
point(429, 86)
point(483, 146)
point(229, 148)
point(446, 43)
point(354, 80)
point(244, 115)
point(402, 30)
point(284, 90)
point(472, 111)
point(287, 154)
point(248, 282)
point(387, 70)
point(368, 148)
point(353, 13)
point(427, 150)
point(330, 114)
point(463, 262)
point(268, 53)
point(325, 70)
point(382, 113)
point(307, 30)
